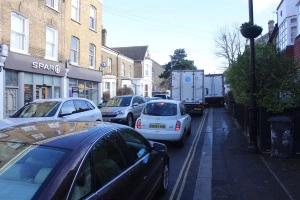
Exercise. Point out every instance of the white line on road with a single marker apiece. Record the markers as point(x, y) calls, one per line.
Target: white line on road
point(203, 183)
point(189, 158)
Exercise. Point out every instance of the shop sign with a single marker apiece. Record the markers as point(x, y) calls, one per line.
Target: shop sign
point(39, 65)
point(75, 89)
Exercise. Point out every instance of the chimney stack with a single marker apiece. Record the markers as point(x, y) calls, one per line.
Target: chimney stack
point(271, 26)
point(104, 33)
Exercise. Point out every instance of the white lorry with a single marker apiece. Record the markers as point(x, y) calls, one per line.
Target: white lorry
point(215, 89)
point(188, 86)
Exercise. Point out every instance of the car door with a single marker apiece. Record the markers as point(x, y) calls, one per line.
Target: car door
point(84, 111)
point(141, 105)
point(104, 173)
point(135, 107)
point(68, 110)
point(147, 164)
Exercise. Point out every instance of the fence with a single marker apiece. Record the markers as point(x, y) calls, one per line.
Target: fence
point(241, 114)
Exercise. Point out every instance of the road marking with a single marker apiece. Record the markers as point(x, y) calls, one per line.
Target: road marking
point(204, 178)
point(188, 160)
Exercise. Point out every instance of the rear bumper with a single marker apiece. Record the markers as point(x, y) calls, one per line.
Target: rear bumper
point(161, 134)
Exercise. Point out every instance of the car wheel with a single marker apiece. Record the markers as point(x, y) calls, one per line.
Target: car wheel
point(164, 181)
point(130, 120)
point(189, 131)
point(182, 140)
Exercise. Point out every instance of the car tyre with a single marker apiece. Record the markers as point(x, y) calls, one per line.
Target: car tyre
point(164, 181)
point(189, 131)
point(130, 120)
point(182, 141)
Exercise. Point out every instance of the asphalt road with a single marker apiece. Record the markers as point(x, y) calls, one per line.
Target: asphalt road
point(185, 163)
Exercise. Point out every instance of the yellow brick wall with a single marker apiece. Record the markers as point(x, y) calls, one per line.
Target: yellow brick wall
point(82, 31)
point(39, 16)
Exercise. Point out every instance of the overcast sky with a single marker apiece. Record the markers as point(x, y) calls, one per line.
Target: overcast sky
point(192, 25)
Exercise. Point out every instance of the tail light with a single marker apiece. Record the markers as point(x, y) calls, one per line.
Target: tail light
point(177, 126)
point(139, 124)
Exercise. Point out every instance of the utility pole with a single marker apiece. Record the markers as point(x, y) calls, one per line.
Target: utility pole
point(252, 146)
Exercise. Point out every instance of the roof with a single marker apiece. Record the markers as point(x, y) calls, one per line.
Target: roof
point(134, 52)
point(61, 134)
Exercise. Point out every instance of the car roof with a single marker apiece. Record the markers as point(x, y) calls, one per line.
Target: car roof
point(59, 99)
point(164, 100)
point(59, 134)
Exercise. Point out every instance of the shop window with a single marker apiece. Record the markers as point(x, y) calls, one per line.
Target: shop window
point(28, 93)
point(11, 78)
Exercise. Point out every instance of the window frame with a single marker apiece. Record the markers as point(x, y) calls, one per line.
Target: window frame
point(146, 71)
point(74, 58)
point(109, 65)
point(52, 4)
point(54, 44)
point(122, 69)
point(129, 71)
point(23, 35)
point(92, 56)
point(75, 10)
point(93, 18)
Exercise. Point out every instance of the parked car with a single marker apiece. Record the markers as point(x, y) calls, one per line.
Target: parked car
point(54, 109)
point(75, 160)
point(152, 98)
point(164, 120)
point(123, 109)
point(163, 96)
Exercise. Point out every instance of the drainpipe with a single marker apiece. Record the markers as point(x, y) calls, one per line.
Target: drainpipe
point(118, 77)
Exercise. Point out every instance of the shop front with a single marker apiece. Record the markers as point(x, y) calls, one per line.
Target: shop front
point(27, 78)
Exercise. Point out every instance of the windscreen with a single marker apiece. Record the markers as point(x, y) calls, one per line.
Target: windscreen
point(119, 102)
point(160, 109)
point(44, 109)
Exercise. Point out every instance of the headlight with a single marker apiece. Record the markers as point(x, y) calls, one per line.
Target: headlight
point(121, 112)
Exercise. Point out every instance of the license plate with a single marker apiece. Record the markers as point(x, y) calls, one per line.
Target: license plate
point(197, 108)
point(157, 126)
point(106, 120)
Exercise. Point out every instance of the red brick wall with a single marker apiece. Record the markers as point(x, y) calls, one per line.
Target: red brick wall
point(289, 51)
point(297, 49)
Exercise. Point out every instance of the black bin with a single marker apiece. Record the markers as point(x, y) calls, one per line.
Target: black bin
point(281, 136)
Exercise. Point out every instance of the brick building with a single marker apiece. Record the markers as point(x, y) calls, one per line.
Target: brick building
point(54, 51)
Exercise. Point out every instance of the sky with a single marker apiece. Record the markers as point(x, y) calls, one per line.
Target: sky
point(192, 25)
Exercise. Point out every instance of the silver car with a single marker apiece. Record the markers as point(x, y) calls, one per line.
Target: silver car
point(55, 109)
point(123, 109)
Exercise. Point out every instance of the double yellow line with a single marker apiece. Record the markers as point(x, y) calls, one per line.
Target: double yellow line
point(187, 163)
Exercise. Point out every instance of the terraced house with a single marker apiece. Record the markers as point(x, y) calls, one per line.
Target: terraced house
point(54, 50)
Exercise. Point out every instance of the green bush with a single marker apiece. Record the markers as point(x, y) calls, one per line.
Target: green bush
point(277, 79)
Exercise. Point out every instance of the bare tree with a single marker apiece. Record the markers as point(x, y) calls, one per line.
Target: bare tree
point(229, 44)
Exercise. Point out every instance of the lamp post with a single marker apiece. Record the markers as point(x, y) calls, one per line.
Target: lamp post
point(252, 146)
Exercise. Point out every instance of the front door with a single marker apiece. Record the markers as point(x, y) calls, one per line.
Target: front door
point(43, 92)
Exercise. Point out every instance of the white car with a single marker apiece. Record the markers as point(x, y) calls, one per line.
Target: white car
point(165, 120)
point(54, 109)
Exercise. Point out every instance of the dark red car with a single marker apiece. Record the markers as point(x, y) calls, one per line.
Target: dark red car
point(80, 160)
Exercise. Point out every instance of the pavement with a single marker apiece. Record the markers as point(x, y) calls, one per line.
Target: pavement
point(239, 174)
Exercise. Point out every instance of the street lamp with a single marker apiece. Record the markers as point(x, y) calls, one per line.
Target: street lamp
point(252, 146)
